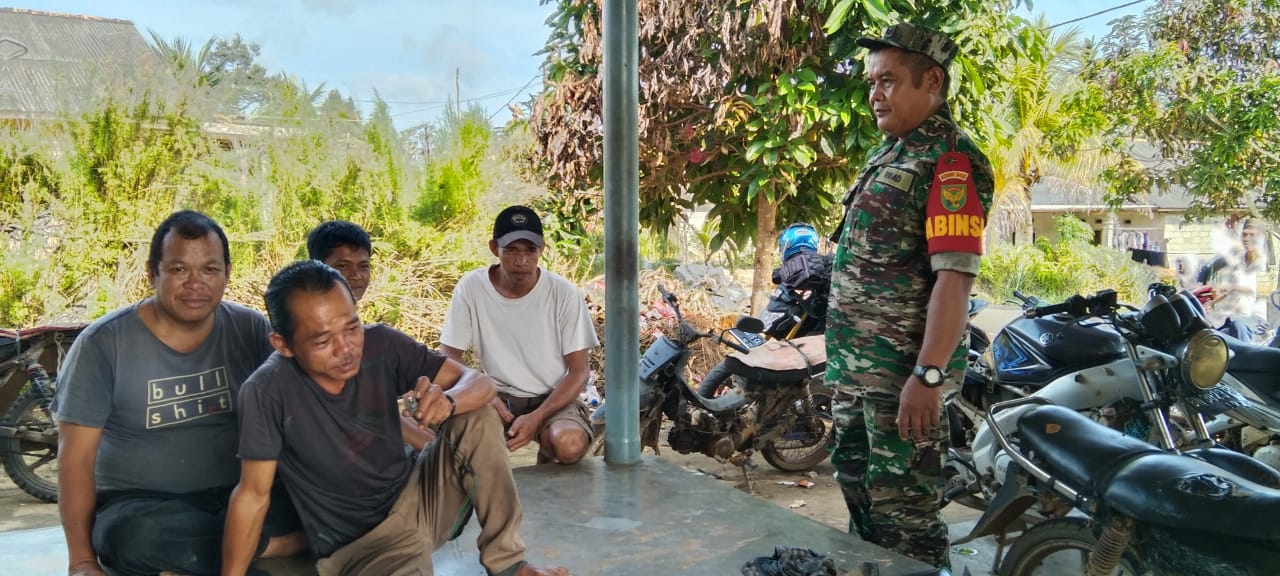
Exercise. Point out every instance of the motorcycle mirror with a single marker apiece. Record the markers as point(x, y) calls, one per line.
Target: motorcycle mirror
point(749, 324)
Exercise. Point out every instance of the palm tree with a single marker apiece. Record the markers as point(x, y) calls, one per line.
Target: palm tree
point(184, 60)
point(1048, 133)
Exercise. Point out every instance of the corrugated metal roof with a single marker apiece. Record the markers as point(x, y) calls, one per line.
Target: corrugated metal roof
point(52, 63)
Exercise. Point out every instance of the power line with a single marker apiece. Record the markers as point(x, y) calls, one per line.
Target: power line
point(1098, 13)
point(496, 94)
point(513, 96)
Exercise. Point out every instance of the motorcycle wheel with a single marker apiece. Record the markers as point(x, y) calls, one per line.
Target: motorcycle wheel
point(806, 444)
point(33, 466)
point(717, 381)
point(1059, 546)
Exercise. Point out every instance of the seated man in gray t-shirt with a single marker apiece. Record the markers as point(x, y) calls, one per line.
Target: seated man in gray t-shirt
point(145, 405)
point(322, 412)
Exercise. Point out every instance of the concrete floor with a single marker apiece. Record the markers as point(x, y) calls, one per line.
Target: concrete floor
point(31, 541)
point(651, 518)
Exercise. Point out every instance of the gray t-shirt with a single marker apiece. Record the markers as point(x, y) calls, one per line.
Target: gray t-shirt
point(167, 418)
point(341, 456)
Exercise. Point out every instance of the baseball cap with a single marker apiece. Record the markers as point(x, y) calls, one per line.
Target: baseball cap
point(517, 223)
point(912, 38)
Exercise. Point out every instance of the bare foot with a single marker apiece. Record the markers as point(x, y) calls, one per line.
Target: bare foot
point(531, 570)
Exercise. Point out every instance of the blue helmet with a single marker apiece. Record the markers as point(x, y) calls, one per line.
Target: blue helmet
point(797, 238)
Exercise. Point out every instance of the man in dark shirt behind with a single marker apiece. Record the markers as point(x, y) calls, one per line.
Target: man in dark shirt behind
point(323, 410)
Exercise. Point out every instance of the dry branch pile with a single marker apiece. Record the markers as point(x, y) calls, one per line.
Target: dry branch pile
point(656, 318)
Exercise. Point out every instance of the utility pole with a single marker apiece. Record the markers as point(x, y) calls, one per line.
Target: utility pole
point(457, 88)
point(622, 231)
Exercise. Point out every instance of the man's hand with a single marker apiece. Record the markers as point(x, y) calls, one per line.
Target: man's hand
point(434, 406)
point(415, 435)
point(85, 568)
point(919, 410)
point(503, 411)
point(523, 430)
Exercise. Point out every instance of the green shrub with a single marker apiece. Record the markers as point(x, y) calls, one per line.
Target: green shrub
point(1053, 271)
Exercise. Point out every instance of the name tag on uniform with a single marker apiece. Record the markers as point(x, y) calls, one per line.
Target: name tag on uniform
point(896, 178)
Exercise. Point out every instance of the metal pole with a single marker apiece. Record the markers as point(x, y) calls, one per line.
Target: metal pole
point(621, 232)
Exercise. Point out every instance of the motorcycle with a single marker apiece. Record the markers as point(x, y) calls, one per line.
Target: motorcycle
point(28, 435)
point(794, 310)
point(1146, 510)
point(1251, 423)
point(774, 411)
point(794, 313)
point(1154, 374)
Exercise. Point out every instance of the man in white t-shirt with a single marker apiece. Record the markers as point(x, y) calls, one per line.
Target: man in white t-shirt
point(1232, 281)
point(532, 334)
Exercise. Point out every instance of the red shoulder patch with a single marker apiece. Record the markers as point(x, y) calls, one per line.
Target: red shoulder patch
point(954, 220)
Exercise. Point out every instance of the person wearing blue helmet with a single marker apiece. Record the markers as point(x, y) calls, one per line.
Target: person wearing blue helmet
point(797, 238)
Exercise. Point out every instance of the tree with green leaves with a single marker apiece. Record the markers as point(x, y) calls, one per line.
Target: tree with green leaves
point(1051, 128)
point(1198, 80)
point(223, 71)
point(757, 107)
point(452, 179)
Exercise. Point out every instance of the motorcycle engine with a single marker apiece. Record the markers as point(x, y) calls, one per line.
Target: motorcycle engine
point(1126, 415)
point(699, 431)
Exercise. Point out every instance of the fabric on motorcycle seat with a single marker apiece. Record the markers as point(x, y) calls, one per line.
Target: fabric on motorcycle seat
point(1256, 365)
point(29, 332)
point(11, 341)
point(1182, 492)
point(1083, 450)
point(780, 362)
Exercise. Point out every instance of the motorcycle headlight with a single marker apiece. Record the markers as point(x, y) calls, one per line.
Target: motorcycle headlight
point(1204, 359)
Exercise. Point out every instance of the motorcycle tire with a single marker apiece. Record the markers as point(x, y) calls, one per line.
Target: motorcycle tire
point(814, 431)
point(717, 381)
point(33, 466)
point(1037, 544)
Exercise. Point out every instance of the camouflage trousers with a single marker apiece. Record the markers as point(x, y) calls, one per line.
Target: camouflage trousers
point(892, 487)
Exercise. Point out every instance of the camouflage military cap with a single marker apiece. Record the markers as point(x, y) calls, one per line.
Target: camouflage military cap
point(914, 38)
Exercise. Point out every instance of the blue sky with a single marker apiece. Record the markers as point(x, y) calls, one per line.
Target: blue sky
point(407, 50)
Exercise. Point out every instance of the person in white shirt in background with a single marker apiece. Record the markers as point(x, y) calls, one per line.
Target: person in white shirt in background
point(1230, 282)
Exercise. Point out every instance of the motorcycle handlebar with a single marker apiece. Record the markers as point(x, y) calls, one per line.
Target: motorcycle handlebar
point(1078, 306)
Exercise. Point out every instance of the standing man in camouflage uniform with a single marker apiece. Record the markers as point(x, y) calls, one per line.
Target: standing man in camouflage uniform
point(908, 251)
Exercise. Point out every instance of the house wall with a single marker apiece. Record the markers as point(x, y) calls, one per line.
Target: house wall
point(1126, 221)
point(1187, 238)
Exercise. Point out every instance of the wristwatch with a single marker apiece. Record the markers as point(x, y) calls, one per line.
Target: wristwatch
point(932, 376)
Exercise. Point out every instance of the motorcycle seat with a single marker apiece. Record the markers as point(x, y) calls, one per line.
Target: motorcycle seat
point(1257, 365)
point(1178, 491)
point(780, 362)
point(1147, 484)
point(1083, 450)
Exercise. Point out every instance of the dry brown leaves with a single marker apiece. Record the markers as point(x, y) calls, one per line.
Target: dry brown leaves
point(656, 318)
point(692, 56)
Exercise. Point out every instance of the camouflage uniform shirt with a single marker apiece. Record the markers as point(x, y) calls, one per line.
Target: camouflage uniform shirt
point(883, 274)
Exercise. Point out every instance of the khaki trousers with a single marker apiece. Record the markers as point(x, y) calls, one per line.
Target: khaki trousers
point(465, 468)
